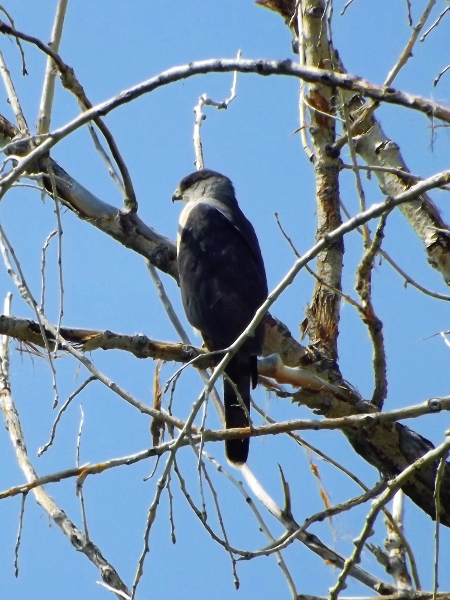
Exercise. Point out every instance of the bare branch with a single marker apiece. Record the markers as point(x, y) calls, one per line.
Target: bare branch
point(322, 316)
point(261, 523)
point(63, 408)
point(377, 149)
point(12, 97)
point(76, 537)
point(394, 485)
point(436, 81)
point(435, 24)
point(374, 324)
point(48, 91)
point(395, 548)
point(440, 474)
point(71, 83)
point(286, 540)
point(260, 67)
point(407, 51)
point(43, 263)
point(19, 535)
point(311, 541)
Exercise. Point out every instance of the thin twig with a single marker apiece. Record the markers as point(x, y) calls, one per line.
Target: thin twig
point(394, 171)
point(121, 594)
point(19, 45)
point(261, 523)
point(436, 81)
point(151, 516)
point(162, 482)
point(408, 280)
point(311, 541)
point(303, 129)
point(200, 117)
point(302, 442)
point(347, 4)
point(13, 98)
point(409, 12)
point(48, 88)
point(196, 138)
point(200, 464)
point(43, 261)
point(104, 156)
point(19, 535)
point(287, 538)
point(171, 517)
point(393, 486)
point(437, 498)
point(220, 518)
point(353, 155)
point(308, 269)
point(59, 257)
point(58, 516)
point(435, 24)
point(199, 513)
point(407, 51)
point(46, 446)
point(18, 278)
point(70, 82)
point(402, 60)
point(173, 317)
point(80, 486)
point(374, 324)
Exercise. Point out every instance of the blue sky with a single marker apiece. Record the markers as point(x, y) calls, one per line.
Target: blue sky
point(113, 46)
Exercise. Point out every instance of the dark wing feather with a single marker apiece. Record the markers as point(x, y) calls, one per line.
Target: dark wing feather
point(222, 276)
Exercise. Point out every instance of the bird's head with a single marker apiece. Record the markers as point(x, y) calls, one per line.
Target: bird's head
point(203, 183)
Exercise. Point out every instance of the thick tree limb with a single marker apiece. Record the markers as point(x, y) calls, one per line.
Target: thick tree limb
point(124, 226)
point(322, 316)
point(376, 149)
point(258, 67)
point(88, 340)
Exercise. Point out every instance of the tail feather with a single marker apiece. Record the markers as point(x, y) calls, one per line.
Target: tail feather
point(240, 370)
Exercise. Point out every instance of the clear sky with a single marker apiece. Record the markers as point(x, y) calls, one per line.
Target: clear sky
point(113, 46)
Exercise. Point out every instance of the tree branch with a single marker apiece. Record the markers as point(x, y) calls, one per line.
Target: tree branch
point(76, 537)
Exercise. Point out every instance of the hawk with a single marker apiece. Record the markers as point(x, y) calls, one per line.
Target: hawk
point(223, 283)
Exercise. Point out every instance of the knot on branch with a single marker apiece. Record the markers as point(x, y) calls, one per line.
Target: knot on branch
point(70, 82)
point(261, 68)
point(434, 405)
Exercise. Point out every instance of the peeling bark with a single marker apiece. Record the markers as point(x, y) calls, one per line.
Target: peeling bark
point(376, 149)
point(322, 320)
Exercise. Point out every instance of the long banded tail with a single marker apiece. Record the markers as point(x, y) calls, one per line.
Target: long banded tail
point(242, 371)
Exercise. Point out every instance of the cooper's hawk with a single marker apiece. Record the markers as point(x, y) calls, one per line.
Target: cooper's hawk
point(223, 283)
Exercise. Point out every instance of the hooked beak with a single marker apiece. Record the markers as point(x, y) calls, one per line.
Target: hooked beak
point(177, 195)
